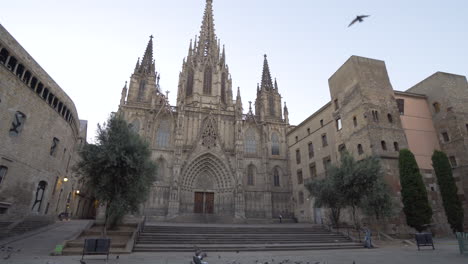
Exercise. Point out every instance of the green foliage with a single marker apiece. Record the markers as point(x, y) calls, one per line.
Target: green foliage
point(358, 184)
point(448, 190)
point(118, 169)
point(413, 192)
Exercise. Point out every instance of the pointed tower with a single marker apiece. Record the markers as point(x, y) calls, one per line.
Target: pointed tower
point(205, 77)
point(143, 80)
point(268, 101)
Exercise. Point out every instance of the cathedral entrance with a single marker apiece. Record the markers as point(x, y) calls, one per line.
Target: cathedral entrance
point(204, 203)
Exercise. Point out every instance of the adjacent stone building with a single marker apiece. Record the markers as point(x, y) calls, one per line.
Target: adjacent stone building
point(39, 134)
point(214, 161)
point(367, 117)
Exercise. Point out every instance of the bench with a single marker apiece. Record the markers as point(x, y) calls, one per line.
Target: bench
point(96, 246)
point(424, 240)
point(462, 242)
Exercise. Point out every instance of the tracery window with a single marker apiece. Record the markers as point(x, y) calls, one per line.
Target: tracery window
point(275, 144)
point(162, 135)
point(209, 134)
point(250, 142)
point(141, 90)
point(207, 81)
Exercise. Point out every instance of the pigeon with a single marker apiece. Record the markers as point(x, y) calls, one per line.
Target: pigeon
point(358, 18)
point(82, 261)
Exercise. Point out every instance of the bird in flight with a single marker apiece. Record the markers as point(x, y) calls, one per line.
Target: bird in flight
point(358, 18)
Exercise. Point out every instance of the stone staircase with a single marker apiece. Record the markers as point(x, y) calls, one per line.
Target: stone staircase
point(267, 237)
point(4, 228)
point(30, 223)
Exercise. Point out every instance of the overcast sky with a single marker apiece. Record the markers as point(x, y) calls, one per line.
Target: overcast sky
point(90, 47)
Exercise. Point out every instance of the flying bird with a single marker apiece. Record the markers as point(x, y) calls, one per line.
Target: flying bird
point(358, 18)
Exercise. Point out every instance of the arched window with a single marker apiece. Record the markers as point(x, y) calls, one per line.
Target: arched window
point(275, 144)
point(39, 196)
point(390, 118)
point(207, 81)
point(250, 174)
point(162, 135)
point(271, 103)
point(250, 142)
point(189, 88)
point(276, 177)
point(301, 197)
point(141, 90)
point(223, 87)
point(384, 145)
point(135, 126)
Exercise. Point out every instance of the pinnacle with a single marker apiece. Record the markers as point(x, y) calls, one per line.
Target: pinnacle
point(267, 83)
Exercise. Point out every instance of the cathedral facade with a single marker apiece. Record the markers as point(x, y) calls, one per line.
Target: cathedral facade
point(214, 161)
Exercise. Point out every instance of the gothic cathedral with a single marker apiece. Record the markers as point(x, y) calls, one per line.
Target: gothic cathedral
point(214, 161)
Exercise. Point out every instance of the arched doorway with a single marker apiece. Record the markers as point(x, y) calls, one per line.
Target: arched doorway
point(207, 187)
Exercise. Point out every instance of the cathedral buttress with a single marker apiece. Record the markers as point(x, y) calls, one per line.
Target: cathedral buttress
point(205, 80)
point(268, 101)
point(143, 82)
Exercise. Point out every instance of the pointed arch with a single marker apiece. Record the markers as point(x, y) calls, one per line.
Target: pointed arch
point(189, 85)
point(276, 176)
point(207, 80)
point(208, 165)
point(209, 134)
point(275, 144)
point(163, 134)
point(250, 141)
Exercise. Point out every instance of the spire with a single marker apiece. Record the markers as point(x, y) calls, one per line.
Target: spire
point(267, 84)
point(207, 41)
point(276, 85)
point(147, 63)
point(238, 93)
point(137, 64)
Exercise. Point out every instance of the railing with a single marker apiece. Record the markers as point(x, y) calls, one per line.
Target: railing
point(347, 231)
point(140, 228)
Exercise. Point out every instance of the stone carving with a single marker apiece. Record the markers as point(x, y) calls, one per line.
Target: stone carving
point(209, 134)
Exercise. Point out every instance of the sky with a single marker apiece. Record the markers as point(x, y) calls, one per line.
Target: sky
point(90, 47)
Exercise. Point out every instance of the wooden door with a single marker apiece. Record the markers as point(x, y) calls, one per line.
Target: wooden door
point(209, 203)
point(198, 209)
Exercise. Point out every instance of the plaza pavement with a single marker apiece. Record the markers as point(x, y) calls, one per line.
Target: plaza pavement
point(35, 248)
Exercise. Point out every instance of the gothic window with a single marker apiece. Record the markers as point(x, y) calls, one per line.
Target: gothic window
point(401, 106)
point(3, 172)
point(163, 134)
point(390, 118)
point(39, 196)
point(324, 140)
point(276, 177)
point(141, 90)
point(135, 126)
point(250, 174)
point(209, 134)
point(301, 197)
point(375, 115)
point(250, 142)
point(384, 145)
point(355, 121)
point(223, 88)
point(298, 156)
point(395, 146)
point(359, 149)
point(300, 178)
point(313, 170)
point(190, 77)
point(17, 124)
point(275, 144)
point(271, 104)
point(207, 81)
point(311, 150)
point(54, 146)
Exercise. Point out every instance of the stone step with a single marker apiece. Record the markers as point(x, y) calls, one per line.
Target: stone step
point(242, 247)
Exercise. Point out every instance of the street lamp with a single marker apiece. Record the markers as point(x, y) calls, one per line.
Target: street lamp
point(77, 191)
point(65, 179)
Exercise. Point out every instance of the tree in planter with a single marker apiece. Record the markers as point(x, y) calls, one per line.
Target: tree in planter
point(118, 169)
point(416, 206)
point(448, 190)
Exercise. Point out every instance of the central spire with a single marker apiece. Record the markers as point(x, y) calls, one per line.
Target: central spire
point(147, 64)
point(207, 41)
point(267, 83)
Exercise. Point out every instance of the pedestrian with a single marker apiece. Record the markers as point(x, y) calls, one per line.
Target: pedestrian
point(280, 218)
point(197, 259)
point(367, 237)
